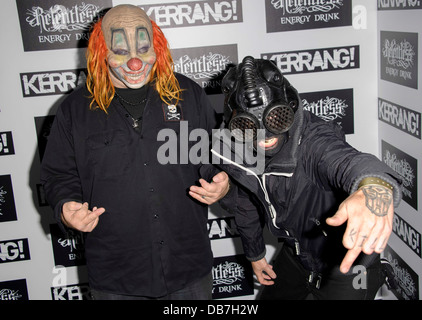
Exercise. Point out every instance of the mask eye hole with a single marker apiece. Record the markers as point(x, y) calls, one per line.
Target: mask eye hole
point(225, 89)
point(293, 104)
point(229, 81)
point(279, 119)
point(243, 127)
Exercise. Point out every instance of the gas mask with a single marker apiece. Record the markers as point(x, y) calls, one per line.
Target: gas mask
point(258, 97)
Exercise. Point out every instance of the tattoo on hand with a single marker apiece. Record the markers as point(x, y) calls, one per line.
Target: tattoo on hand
point(374, 243)
point(377, 199)
point(364, 237)
point(382, 247)
point(352, 234)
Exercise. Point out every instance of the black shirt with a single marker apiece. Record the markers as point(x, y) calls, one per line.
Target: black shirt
point(152, 239)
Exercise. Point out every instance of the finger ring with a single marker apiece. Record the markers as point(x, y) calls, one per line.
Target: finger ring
point(203, 197)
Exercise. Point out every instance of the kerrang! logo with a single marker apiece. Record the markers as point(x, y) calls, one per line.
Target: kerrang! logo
point(301, 6)
point(315, 60)
point(60, 18)
point(52, 82)
point(400, 117)
point(195, 13)
point(399, 54)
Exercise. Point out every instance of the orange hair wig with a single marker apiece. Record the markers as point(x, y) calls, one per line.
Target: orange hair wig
point(99, 81)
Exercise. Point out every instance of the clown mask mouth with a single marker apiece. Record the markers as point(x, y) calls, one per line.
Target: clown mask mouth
point(131, 77)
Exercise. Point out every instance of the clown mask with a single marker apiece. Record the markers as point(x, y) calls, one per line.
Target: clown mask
point(128, 34)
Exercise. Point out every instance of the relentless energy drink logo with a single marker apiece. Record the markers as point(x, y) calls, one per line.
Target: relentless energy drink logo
point(406, 167)
point(195, 13)
point(232, 276)
point(399, 4)
point(406, 278)
point(13, 290)
point(335, 106)
point(399, 117)
point(57, 24)
point(399, 58)
point(68, 249)
point(205, 65)
point(315, 60)
point(7, 200)
point(410, 236)
point(288, 15)
point(51, 82)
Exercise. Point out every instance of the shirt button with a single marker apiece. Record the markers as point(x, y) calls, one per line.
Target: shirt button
point(145, 164)
point(162, 242)
point(151, 189)
point(156, 216)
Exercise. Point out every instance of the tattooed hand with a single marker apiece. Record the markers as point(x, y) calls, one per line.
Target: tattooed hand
point(369, 215)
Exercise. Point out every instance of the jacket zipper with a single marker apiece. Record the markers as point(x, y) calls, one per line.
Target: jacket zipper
point(261, 183)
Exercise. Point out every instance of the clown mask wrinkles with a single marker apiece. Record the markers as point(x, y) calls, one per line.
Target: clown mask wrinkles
point(131, 52)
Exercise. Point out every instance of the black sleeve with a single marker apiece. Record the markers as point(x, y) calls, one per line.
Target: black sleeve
point(335, 164)
point(59, 174)
point(248, 220)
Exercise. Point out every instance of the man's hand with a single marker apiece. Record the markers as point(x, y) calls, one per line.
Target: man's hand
point(264, 272)
point(210, 193)
point(369, 214)
point(77, 216)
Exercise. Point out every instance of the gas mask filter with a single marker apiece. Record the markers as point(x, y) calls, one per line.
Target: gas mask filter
point(257, 96)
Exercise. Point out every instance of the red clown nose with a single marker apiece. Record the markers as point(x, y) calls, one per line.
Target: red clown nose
point(134, 64)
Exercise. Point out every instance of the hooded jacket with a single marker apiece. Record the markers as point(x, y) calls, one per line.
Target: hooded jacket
point(301, 186)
